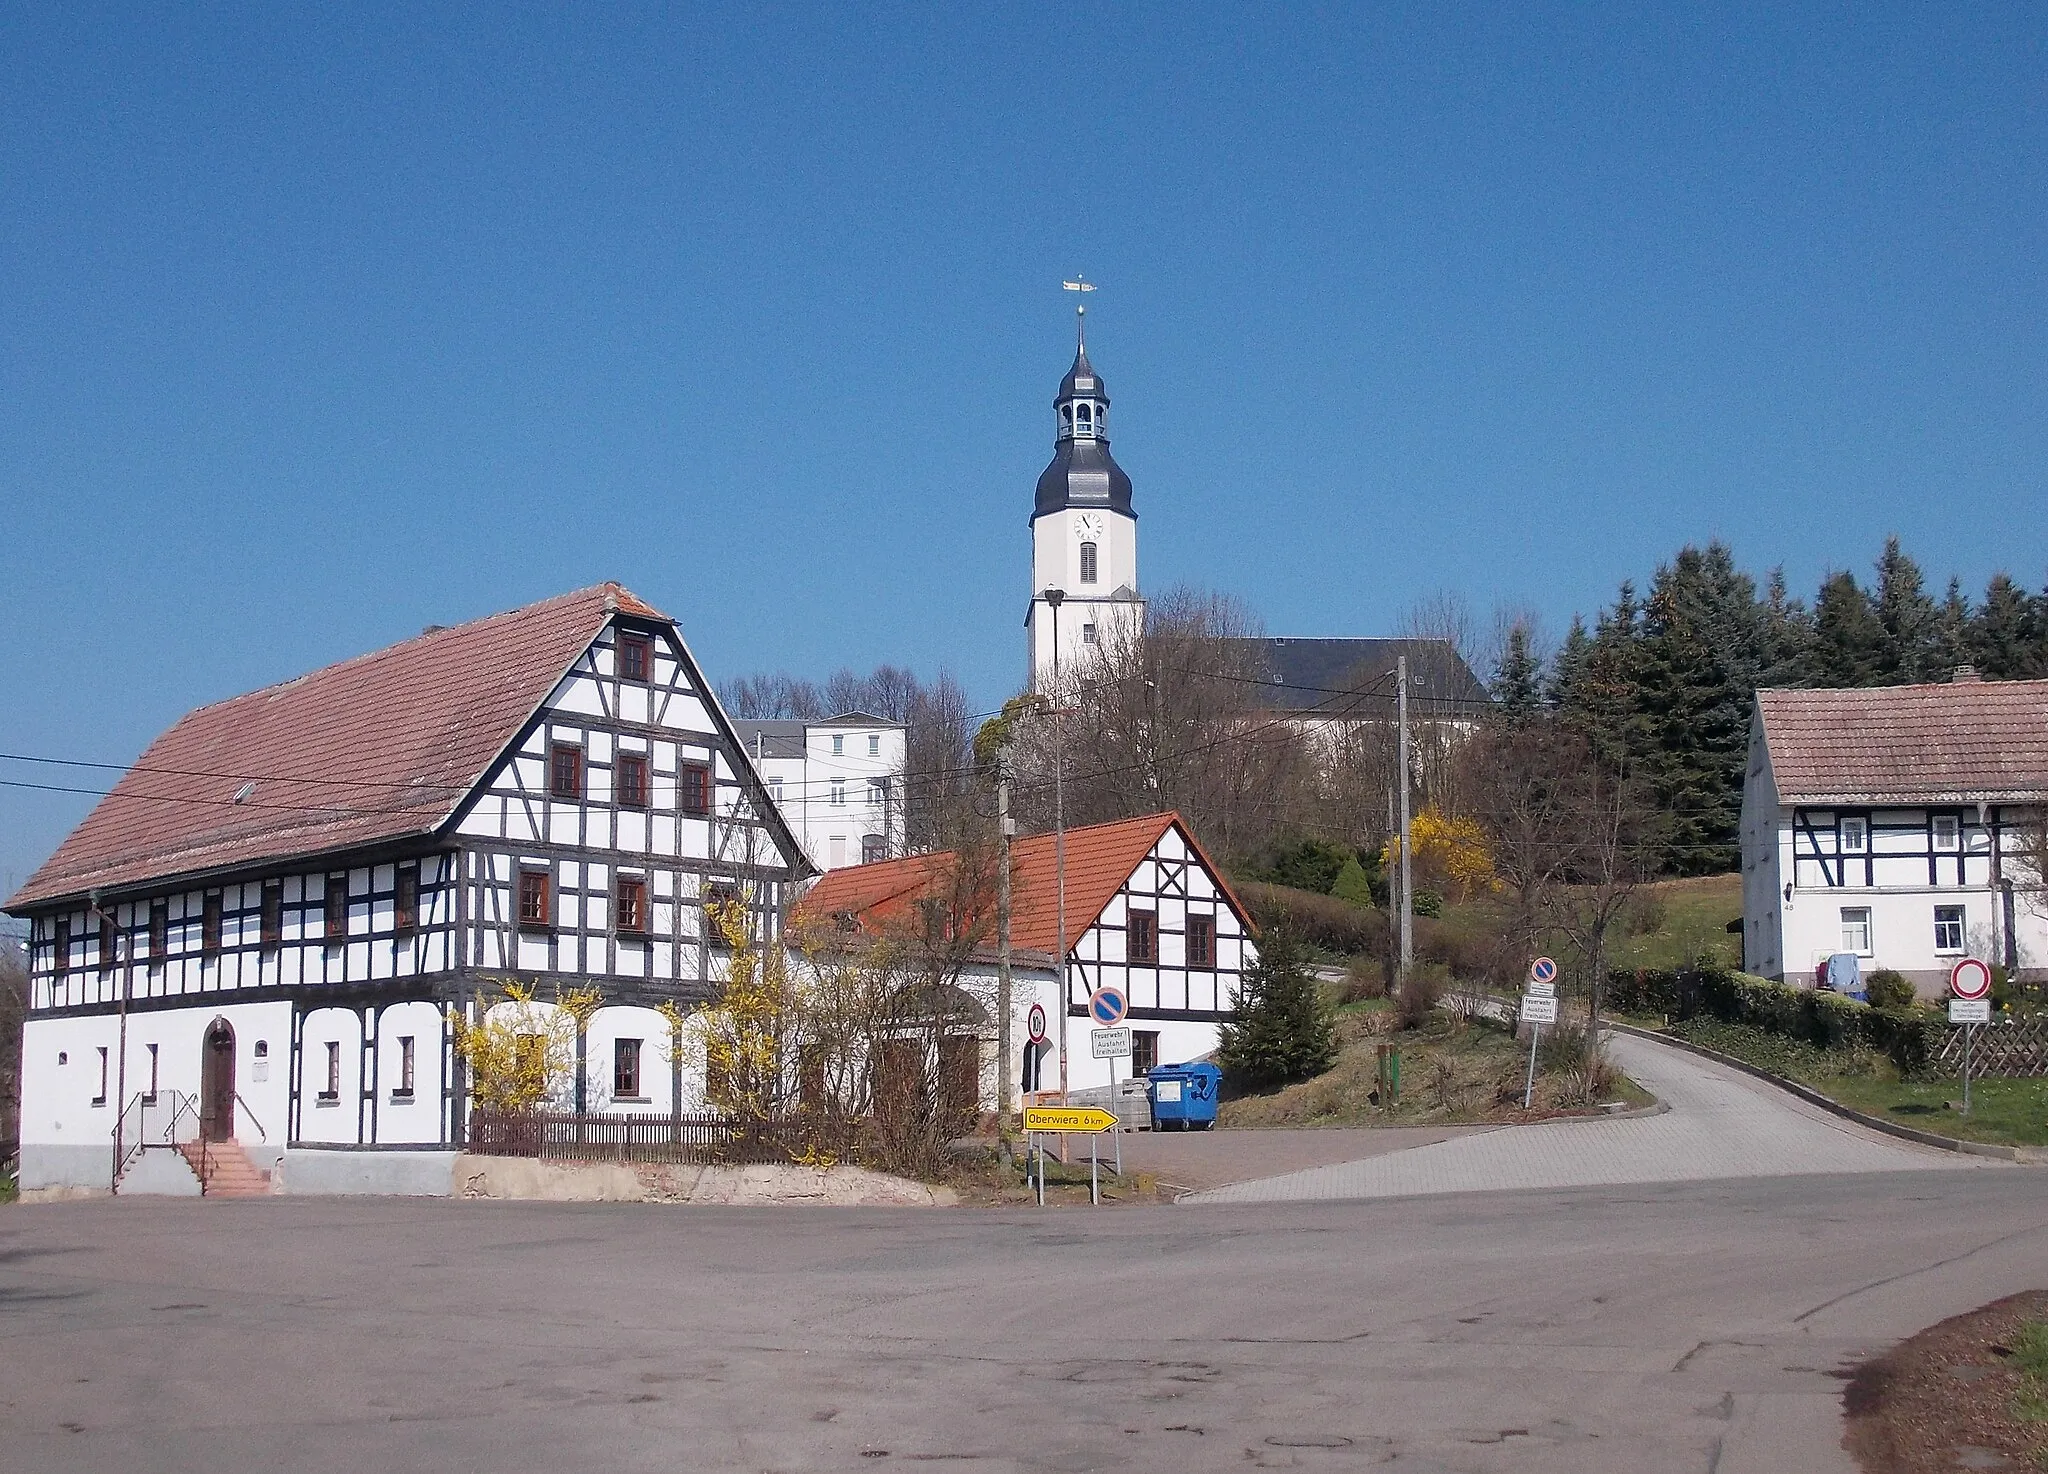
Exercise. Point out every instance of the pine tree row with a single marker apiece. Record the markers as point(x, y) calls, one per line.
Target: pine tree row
point(1663, 683)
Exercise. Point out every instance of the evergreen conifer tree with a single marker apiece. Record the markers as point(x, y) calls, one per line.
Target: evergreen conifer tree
point(1283, 1030)
point(1908, 651)
point(1785, 637)
point(1951, 631)
point(1848, 640)
point(1697, 664)
point(1516, 689)
point(2005, 635)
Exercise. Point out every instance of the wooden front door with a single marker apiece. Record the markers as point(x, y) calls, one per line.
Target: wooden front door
point(217, 1083)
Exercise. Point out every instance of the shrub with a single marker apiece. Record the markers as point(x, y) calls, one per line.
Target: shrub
point(1428, 903)
point(1283, 1030)
point(1353, 884)
point(1644, 914)
point(1657, 991)
point(1365, 978)
point(1321, 921)
point(1889, 989)
point(1312, 865)
point(1416, 1004)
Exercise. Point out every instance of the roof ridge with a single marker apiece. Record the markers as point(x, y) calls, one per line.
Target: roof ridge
point(431, 632)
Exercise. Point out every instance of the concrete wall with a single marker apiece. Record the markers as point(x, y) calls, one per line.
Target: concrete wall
point(384, 1174)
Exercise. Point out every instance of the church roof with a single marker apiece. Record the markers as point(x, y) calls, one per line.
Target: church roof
point(1081, 381)
point(381, 747)
point(1083, 473)
point(1340, 678)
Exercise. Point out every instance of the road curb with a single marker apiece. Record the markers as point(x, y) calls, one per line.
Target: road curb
point(1814, 1097)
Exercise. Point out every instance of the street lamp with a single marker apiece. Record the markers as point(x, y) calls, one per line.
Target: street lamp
point(1054, 598)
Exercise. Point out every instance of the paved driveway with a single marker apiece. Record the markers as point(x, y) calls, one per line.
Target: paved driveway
point(1722, 1123)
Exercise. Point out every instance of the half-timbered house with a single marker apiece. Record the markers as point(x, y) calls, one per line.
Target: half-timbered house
point(1146, 910)
point(1901, 824)
point(264, 923)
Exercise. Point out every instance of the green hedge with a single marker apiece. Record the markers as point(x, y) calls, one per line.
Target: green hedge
point(1908, 1036)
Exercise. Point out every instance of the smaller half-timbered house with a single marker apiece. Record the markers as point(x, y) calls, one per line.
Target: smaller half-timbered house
point(1900, 824)
point(267, 919)
point(1146, 910)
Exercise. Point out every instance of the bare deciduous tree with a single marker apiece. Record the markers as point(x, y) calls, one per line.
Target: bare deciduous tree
point(1170, 719)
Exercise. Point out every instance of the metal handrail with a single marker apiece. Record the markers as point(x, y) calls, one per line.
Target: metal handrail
point(251, 1115)
point(173, 1108)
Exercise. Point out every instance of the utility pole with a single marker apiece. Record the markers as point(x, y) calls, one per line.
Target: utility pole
point(1054, 598)
point(1407, 894)
point(1003, 1000)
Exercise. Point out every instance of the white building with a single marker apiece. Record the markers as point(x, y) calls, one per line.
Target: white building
point(1084, 535)
point(1893, 823)
point(263, 925)
point(838, 784)
point(1146, 911)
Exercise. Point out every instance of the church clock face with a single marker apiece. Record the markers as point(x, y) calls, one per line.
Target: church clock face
point(1088, 525)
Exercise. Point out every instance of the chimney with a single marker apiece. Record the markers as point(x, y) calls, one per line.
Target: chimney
point(1964, 675)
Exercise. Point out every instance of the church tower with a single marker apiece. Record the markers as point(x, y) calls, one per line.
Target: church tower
point(1084, 535)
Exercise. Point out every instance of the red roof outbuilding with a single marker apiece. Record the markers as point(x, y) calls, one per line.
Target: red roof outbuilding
point(1100, 858)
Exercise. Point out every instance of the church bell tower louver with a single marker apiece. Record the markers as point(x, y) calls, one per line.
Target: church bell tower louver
point(1084, 535)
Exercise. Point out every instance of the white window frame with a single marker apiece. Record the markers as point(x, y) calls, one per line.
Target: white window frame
point(1947, 831)
point(839, 744)
point(1961, 923)
point(1859, 828)
point(1853, 918)
point(1088, 633)
point(874, 744)
point(838, 793)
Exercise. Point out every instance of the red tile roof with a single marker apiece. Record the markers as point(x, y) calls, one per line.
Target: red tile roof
point(1100, 858)
point(376, 748)
point(1966, 739)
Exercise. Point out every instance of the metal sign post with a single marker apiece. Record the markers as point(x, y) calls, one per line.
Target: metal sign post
point(1969, 1004)
point(1539, 1007)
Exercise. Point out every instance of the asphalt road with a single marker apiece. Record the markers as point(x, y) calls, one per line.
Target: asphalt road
point(1671, 1327)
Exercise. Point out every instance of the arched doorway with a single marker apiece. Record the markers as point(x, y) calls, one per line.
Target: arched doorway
point(217, 1082)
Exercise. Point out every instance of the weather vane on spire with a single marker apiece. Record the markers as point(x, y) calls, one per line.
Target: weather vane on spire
point(1079, 285)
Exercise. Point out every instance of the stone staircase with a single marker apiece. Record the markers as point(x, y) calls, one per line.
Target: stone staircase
point(228, 1172)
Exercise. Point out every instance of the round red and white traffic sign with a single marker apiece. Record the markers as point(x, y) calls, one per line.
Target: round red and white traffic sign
point(1034, 1023)
point(1970, 979)
point(1543, 970)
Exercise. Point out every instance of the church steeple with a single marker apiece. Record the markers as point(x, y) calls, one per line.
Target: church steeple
point(1082, 473)
point(1084, 535)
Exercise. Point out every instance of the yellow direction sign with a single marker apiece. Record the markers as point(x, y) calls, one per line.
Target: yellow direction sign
point(1067, 1118)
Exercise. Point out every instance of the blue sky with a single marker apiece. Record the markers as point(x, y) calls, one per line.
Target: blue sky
point(319, 324)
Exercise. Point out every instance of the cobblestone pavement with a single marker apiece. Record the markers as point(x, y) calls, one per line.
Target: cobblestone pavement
point(1722, 1123)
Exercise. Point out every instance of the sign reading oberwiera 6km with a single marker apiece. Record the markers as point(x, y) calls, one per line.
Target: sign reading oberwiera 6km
point(1067, 1118)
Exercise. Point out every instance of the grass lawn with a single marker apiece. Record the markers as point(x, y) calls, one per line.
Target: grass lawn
point(2007, 1112)
point(1671, 923)
point(1683, 921)
point(1451, 1073)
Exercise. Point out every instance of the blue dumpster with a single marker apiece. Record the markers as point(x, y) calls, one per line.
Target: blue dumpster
point(1184, 1096)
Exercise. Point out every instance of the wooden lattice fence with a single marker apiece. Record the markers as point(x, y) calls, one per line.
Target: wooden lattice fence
point(2013, 1049)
